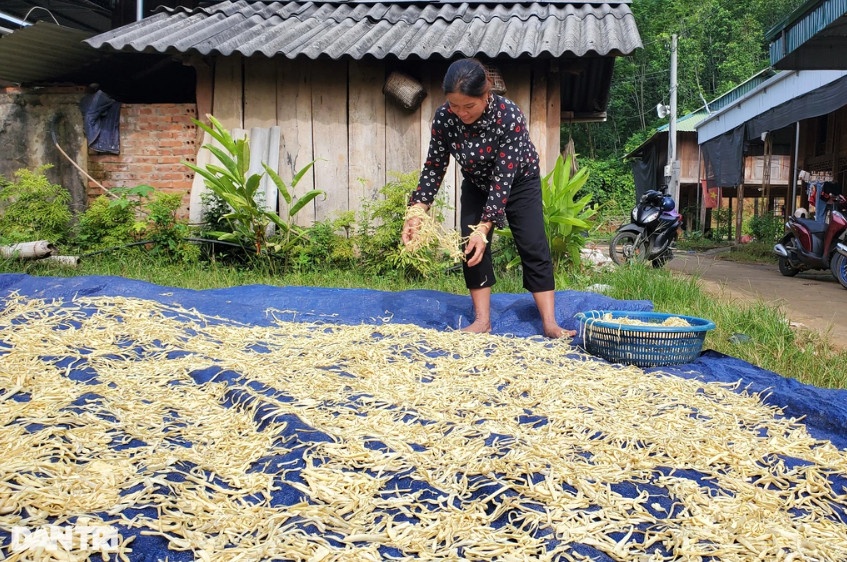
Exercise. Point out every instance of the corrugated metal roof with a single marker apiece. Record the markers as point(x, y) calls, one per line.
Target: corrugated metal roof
point(783, 88)
point(380, 30)
point(43, 51)
point(94, 16)
point(813, 37)
point(686, 123)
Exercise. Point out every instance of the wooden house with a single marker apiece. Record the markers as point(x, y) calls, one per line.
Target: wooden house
point(794, 120)
point(763, 170)
point(315, 74)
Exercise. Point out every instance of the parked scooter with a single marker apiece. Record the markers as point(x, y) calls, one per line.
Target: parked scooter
point(813, 244)
point(651, 235)
point(839, 268)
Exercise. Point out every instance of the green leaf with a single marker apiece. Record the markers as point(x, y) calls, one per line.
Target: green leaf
point(217, 132)
point(304, 200)
point(243, 157)
point(274, 218)
point(565, 220)
point(279, 182)
point(301, 173)
point(252, 185)
point(225, 159)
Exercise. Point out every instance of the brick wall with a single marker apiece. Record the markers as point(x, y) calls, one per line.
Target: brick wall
point(155, 140)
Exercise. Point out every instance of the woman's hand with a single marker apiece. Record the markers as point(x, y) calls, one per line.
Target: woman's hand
point(478, 240)
point(411, 226)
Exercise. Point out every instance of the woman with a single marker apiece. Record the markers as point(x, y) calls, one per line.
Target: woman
point(487, 135)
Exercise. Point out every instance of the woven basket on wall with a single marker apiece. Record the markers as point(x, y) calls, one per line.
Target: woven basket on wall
point(498, 85)
point(404, 89)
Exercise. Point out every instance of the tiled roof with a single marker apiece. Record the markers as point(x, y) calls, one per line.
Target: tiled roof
point(377, 30)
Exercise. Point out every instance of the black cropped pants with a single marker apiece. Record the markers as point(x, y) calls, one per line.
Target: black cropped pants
point(525, 215)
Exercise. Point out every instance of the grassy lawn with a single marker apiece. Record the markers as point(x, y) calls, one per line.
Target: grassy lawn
point(772, 345)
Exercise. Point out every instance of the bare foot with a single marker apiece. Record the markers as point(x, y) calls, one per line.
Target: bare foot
point(556, 332)
point(478, 327)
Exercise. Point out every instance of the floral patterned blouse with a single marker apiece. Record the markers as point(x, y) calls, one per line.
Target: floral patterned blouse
point(492, 153)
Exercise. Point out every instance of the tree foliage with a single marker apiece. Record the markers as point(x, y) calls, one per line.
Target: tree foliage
point(720, 44)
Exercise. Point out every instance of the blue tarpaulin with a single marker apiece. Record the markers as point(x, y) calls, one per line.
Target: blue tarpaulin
point(809, 423)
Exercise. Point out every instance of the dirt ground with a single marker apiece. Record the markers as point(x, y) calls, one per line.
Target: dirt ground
point(814, 299)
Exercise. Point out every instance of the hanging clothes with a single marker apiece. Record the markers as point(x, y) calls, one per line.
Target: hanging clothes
point(101, 122)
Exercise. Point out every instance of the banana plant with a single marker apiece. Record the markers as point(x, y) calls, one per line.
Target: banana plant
point(229, 180)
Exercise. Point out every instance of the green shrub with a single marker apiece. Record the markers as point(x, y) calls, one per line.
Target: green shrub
point(722, 220)
point(109, 223)
point(504, 253)
point(214, 211)
point(167, 231)
point(766, 228)
point(325, 244)
point(380, 224)
point(698, 241)
point(31, 209)
point(612, 188)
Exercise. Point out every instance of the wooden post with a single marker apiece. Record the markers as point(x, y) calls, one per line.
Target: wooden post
point(554, 115)
point(330, 124)
point(766, 173)
point(538, 115)
point(204, 90)
point(259, 93)
point(739, 213)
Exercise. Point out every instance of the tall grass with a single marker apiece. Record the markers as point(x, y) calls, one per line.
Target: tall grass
point(755, 332)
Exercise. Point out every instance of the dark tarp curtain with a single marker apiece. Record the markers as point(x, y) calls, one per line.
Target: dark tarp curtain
point(723, 157)
point(819, 101)
point(645, 171)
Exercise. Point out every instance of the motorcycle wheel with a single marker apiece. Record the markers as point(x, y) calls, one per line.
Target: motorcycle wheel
point(623, 248)
point(838, 265)
point(785, 266)
point(665, 255)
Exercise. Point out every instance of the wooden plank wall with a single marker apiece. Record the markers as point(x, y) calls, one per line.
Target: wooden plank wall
point(294, 114)
point(227, 100)
point(335, 113)
point(367, 132)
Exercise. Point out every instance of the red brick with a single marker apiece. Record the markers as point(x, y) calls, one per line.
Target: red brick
point(155, 140)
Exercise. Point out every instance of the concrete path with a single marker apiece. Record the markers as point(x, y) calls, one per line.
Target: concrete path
point(814, 299)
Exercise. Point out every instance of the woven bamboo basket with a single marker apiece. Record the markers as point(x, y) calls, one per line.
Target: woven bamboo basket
point(404, 89)
point(498, 85)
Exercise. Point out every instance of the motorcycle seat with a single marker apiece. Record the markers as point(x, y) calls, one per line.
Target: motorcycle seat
point(812, 225)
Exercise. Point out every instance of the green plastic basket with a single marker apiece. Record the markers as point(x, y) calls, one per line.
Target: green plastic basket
point(642, 346)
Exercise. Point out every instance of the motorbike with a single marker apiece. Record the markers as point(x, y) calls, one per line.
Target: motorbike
point(814, 244)
point(841, 265)
point(651, 236)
